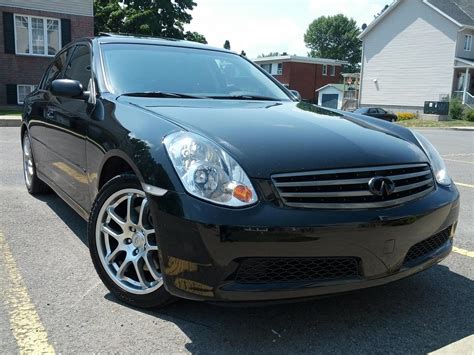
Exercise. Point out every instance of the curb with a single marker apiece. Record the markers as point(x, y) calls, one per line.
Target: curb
point(463, 129)
point(9, 121)
point(466, 129)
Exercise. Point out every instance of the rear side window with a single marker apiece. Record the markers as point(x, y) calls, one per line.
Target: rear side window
point(79, 67)
point(55, 69)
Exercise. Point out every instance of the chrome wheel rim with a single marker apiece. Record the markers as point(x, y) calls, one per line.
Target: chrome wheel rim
point(126, 242)
point(28, 168)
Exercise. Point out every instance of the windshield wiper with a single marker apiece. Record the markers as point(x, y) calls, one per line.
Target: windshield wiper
point(244, 97)
point(161, 94)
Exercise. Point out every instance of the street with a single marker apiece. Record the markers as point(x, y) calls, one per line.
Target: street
point(48, 287)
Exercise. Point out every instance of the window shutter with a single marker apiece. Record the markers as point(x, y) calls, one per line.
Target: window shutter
point(8, 33)
point(65, 31)
point(12, 98)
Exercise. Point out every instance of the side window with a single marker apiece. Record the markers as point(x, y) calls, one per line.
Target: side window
point(372, 110)
point(382, 111)
point(79, 67)
point(55, 70)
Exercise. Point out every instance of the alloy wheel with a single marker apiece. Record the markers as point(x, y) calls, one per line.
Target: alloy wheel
point(28, 167)
point(126, 243)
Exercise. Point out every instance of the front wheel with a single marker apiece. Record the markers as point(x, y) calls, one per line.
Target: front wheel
point(123, 245)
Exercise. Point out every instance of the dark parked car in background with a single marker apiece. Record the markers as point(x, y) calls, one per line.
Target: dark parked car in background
point(377, 112)
point(202, 177)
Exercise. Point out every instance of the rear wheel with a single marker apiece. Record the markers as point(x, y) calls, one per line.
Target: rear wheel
point(33, 184)
point(123, 246)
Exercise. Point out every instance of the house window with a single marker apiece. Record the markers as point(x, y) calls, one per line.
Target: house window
point(280, 69)
point(37, 35)
point(332, 70)
point(325, 69)
point(22, 91)
point(468, 43)
point(267, 67)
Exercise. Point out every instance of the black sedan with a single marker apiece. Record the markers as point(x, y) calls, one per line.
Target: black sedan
point(377, 112)
point(202, 177)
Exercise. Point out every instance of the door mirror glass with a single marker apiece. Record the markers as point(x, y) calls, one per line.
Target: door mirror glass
point(67, 88)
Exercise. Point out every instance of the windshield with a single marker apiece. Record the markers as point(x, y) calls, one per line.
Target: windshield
point(141, 68)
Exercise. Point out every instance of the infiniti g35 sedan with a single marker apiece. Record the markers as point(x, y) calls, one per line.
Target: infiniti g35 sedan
point(202, 177)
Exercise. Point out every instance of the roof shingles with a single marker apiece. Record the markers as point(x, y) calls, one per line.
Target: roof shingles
point(461, 11)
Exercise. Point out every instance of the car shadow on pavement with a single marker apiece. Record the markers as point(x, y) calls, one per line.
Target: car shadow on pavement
point(417, 315)
point(74, 222)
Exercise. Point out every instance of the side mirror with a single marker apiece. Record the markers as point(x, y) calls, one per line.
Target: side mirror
point(296, 94)
point(68, 88)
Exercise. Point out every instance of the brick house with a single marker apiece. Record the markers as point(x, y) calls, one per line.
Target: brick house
point(304, 74)
point(33, 32)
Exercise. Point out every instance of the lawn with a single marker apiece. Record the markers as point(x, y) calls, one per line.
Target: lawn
point(439, 124)
point(10, 112)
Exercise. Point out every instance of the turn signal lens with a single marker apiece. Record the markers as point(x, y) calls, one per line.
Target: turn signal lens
point(242, 193)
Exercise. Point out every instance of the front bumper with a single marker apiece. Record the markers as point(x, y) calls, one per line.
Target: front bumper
point(202, 245)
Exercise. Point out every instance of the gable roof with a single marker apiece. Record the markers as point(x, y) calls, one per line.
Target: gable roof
point(461, 12)
point(339, 87)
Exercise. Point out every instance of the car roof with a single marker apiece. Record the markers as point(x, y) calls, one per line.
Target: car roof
point(104, 38)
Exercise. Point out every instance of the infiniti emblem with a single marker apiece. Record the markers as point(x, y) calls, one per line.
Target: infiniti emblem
point(381, 186)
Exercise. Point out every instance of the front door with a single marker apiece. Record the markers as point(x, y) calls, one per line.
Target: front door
point(68, 120)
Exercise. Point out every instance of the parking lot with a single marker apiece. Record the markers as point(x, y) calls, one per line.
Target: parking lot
point(51, 297)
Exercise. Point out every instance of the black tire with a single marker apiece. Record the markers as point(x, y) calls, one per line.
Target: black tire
point(157, 298)
point(33, 184)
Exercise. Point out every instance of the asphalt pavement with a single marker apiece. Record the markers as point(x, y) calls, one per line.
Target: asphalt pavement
point(51, 298)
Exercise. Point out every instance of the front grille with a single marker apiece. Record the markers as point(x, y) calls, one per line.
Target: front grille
point(274, 270)
point(349, 189)
point(428, 246)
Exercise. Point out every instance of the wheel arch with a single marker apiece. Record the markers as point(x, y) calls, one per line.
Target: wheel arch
point(115, 163)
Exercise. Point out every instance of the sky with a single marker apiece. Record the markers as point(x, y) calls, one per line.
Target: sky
point(264, 26)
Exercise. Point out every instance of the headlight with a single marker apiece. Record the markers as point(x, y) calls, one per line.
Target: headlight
point(207, 171)
point(437, 163)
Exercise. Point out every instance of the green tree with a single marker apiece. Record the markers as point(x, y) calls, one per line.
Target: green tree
point(227, 44)
point(108, 16)
point(271, 54)
point(163, 18)
point(195, 37)
point(335, 37)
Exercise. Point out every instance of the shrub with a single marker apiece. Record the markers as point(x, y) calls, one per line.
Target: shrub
point(469, 115)
point(404, 116)
point(456, 109)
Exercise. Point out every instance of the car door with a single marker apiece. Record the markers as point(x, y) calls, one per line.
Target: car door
point(383, 114)
point(38, 120)
point(373, 112)
point(67, 129)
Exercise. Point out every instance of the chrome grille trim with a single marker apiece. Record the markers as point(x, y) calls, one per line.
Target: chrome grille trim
point(347, 189)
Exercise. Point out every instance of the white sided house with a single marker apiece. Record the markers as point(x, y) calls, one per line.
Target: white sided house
point(417, 51)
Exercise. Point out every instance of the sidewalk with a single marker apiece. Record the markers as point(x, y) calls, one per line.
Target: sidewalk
point(10, 121)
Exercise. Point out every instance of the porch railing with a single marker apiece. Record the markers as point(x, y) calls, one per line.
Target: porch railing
point(469, 100)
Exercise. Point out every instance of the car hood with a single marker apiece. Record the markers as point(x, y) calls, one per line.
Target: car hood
point(268, 137)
